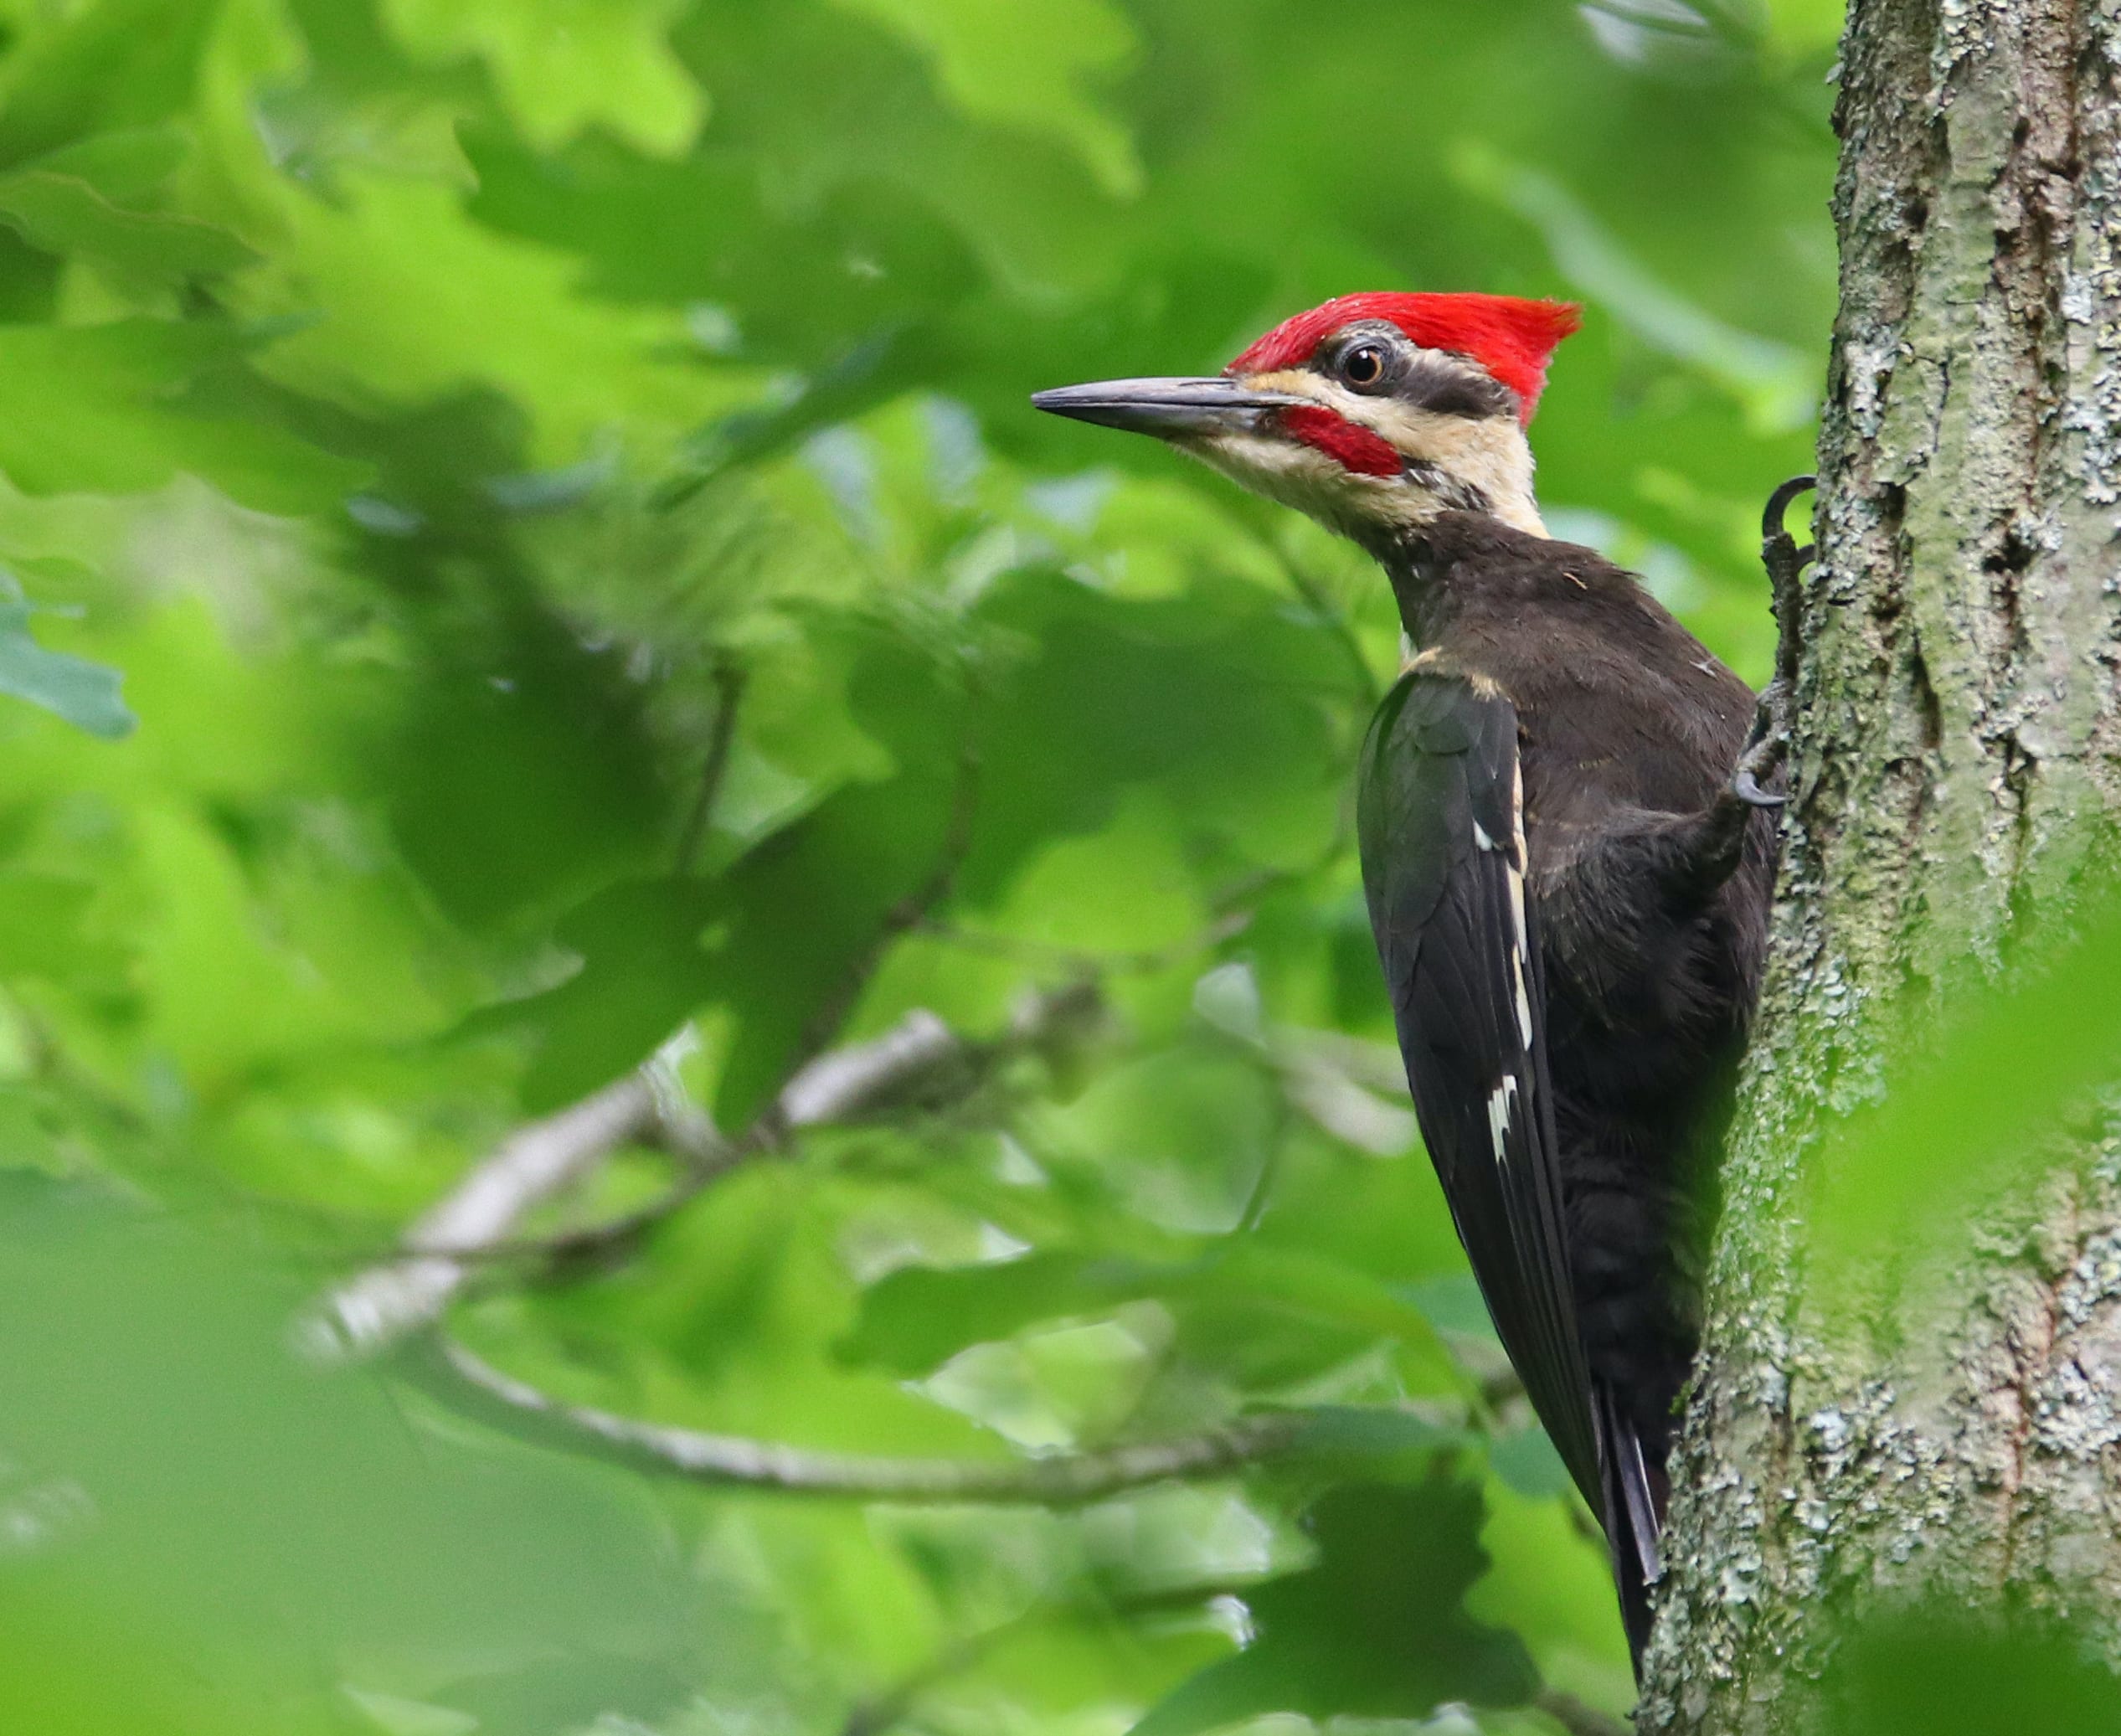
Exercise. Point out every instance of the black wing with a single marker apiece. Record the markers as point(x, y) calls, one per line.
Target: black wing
point(1441, 821)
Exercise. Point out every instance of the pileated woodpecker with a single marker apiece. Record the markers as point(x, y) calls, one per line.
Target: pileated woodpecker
point(1565, 842)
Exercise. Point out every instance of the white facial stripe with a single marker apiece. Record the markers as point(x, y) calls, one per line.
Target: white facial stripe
point(1489, 453)
point(1305, 478)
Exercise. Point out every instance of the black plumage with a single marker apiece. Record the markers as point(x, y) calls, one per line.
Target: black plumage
point(1547, 810)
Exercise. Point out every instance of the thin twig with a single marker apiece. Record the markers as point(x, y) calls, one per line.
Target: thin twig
point(472, 1225)
point(1080, 962)
point(878, 1712)
point(908, 913)
point(729, 684)
point(885, 1710)
point(1334, 619)
point(468, 1384)
point(1577, 1718)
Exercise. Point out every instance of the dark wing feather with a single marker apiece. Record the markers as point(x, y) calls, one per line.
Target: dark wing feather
point(1443, 864)
point(1441, 822)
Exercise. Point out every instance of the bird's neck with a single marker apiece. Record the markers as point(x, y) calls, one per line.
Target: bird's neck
point(1419, 572)
point(1447, 568)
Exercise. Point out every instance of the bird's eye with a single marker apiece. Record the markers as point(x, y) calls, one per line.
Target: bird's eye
point(1363, 366)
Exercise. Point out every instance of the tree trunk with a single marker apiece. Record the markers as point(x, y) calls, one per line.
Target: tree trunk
point(1957, 752)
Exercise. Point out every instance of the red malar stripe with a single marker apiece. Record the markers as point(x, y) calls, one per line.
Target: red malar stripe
point(1355, 447)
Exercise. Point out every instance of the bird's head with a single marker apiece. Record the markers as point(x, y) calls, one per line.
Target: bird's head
point(1372, 412)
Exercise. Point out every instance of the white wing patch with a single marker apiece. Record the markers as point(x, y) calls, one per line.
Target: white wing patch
point(1517, 957)
point(1521, 944)
point(1480, 837)
point(1500, 1101)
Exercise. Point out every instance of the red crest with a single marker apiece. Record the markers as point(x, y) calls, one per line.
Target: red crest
point(1510, 336)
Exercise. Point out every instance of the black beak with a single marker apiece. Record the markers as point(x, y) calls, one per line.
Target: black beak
point(1169, 408)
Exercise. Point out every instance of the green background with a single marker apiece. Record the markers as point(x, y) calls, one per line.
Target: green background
point(415, 418)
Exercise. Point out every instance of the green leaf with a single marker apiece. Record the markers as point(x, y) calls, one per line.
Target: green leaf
point(563, 65)
point(123, 166)
point(1028, 67)
point(66, 214)
point(1804, 27)
point(208, 1492)
point(1551, 1582)
point(1217, 700)
point(1936, 1667)
point(1454, 1304)
point(1525, 1460)
point(46, 930)
point(403, 302)
point(103, 408)
point(806, 910)
point(391, 1716)
point(644, 971)
point(1988, 1084)
point(917, 1318)
point(1778, 385)
point(1184, 1135)
point(520, 776)
point(111, 66)
point(1376, 1629)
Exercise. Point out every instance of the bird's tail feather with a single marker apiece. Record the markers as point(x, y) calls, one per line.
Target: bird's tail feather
point(1634, 1492)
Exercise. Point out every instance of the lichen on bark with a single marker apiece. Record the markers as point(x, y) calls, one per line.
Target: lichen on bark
point(1958, 753)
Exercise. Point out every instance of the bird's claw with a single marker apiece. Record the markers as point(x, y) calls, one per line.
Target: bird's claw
point(1768, 745)
point(1752, 794)
point(1785, 562)
point(1765, 749)
point(1771, 524)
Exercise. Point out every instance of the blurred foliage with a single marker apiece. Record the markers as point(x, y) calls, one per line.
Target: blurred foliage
point(1939, 1669)
point(434, 413)
point(2001, 1079)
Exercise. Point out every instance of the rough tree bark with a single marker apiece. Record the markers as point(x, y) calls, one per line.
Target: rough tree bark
point(1958, 744)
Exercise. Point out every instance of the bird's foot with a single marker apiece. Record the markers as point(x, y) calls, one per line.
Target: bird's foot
point(1765, 749)
point(1769, 745)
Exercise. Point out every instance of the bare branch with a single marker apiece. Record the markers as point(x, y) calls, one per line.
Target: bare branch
point(919, 1060)
point(842, 1080)
point(1356, 1090)
point(473, 1225)
point(843, 1085)
point(534, 1163)
point(469, 1385)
